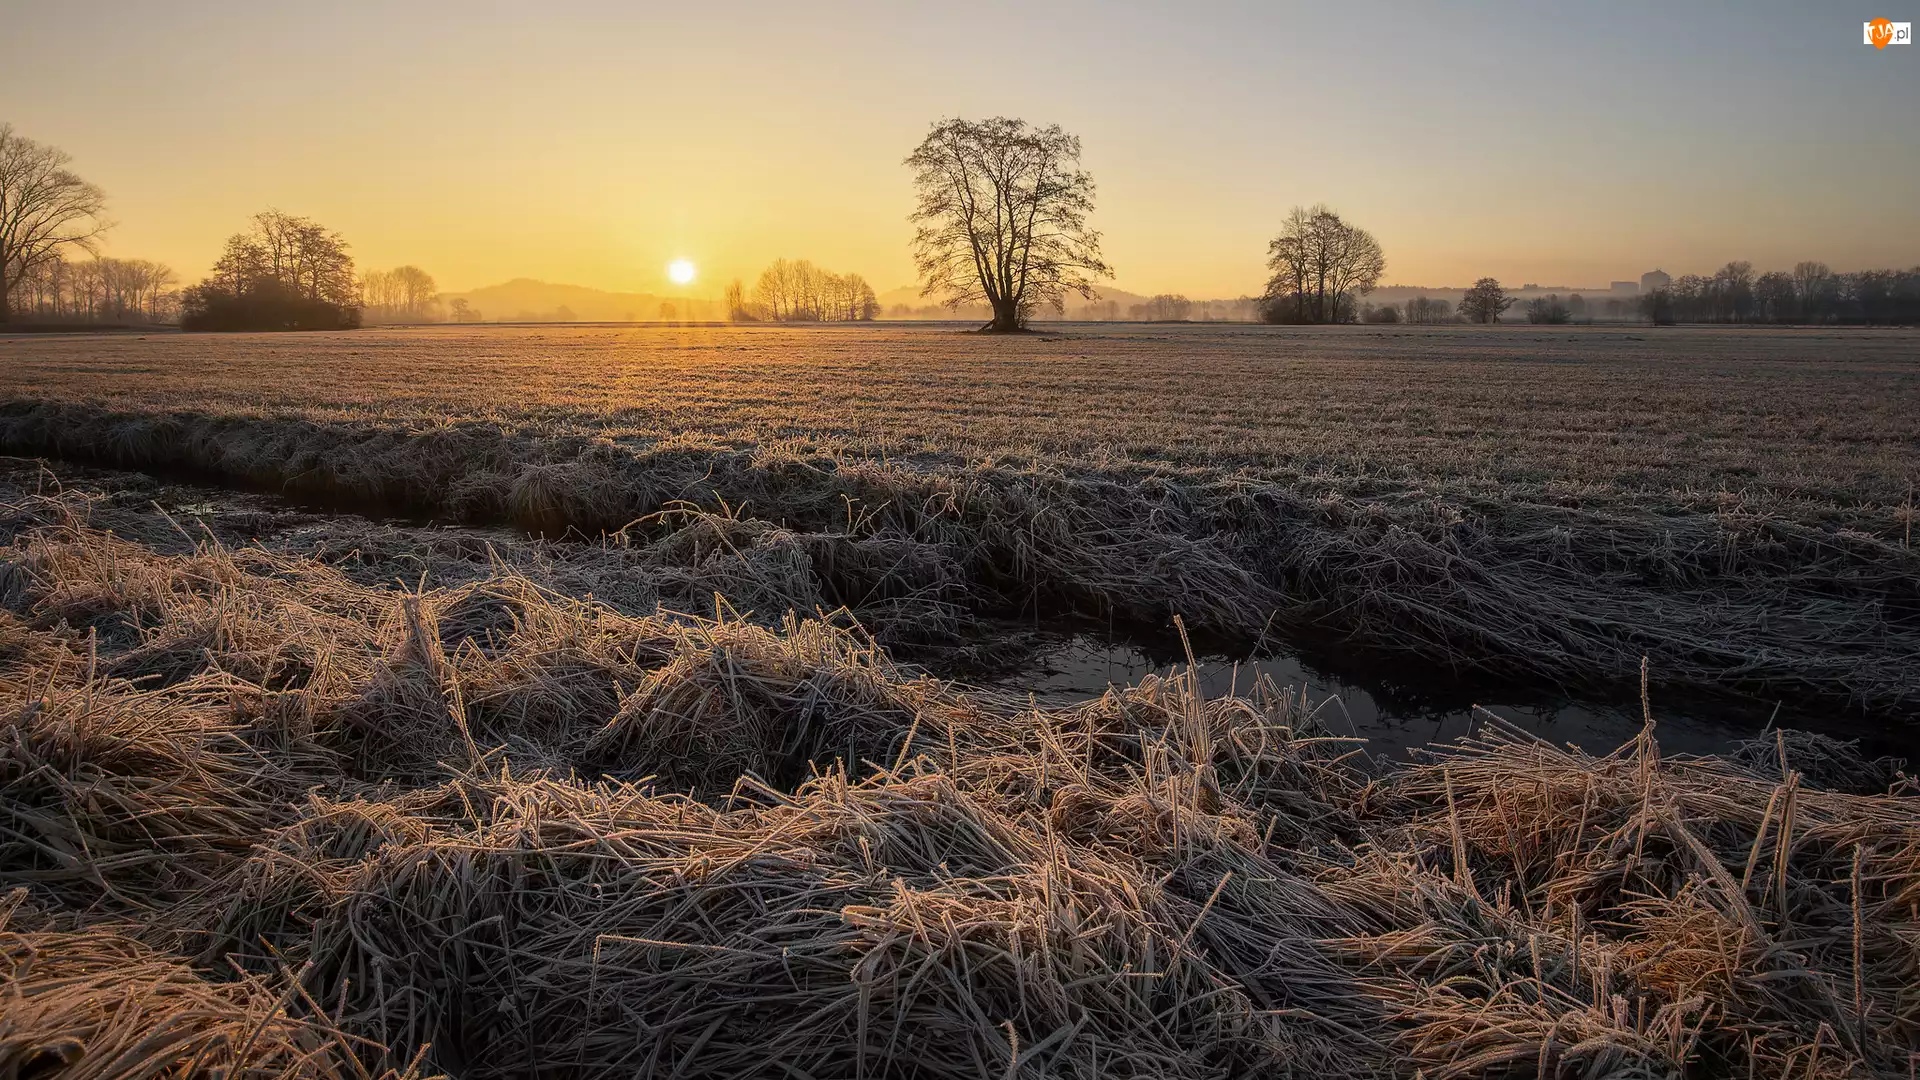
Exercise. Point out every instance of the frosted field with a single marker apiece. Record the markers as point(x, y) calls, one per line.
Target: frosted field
point(774, 702)
point(1814, 424)
point(1547, 505)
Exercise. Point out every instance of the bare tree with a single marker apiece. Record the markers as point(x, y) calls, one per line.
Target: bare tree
point(378, 293)
point(1773, 295)
point(853, 299)
point(296, 253)
point(403, 293)
point(416, 288)
point(1002, 218)
point(1321, 266)
point(97, 290)
point(1548, 309)
point(1733, 292)
point(1657, 306)
point(286, 273)
point(1423, 309)
point(1485, 302)
point(1166, 307)
point(1353, 264)
point(737, 309)
point(795, 290)
point(44, 208)
point(1815, 286)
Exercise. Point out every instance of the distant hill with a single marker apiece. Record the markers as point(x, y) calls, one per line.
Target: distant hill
point(527, 300)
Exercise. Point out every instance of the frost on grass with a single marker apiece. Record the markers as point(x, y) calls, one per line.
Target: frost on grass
point(263, 818)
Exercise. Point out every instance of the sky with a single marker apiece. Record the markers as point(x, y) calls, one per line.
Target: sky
point(592, 141)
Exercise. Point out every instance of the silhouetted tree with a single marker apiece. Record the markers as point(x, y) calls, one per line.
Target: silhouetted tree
point(1002, 218)
point(1423, 309)
point(1321, 267)
point(1731, 292)
point(285, 273)
point(737, 309)
point(44, 209)
point(1166, 307)
point(1814, 287)
point(1657, 307)
point(1485, 302)
point(1775, 299)
point(417, 290)
point(1548, 309)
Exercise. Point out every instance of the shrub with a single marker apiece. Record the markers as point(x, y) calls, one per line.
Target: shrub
point(268, 306)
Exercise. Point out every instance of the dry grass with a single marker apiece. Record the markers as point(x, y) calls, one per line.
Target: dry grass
point(270, 820)
point(1546, 506)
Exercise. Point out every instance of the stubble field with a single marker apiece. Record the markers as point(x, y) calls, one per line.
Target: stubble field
point(638, 768)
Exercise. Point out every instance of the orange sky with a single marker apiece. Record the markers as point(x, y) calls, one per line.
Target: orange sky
point(592, 143)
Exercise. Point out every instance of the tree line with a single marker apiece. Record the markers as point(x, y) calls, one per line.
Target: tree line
point(1485, 302)
point(97, 290)
point(795, 290)
point(1809, 293)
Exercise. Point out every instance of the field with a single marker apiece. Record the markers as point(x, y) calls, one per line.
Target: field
point(579, 701)
point(1736, 505)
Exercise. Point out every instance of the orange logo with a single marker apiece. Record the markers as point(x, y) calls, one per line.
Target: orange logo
point(1880, 32)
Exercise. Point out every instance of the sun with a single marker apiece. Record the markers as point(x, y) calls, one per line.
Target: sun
point(681, 271)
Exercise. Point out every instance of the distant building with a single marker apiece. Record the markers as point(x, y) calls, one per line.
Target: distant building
point(1654, 279)
point(1624, 288)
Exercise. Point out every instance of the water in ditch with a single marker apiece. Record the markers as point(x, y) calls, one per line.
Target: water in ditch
point(1396, 715)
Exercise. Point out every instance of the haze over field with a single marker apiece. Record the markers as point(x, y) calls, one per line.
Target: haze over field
point(591, 143)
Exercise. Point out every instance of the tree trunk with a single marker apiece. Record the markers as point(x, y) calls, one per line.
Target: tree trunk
point(6, 302)
point(1006, 316)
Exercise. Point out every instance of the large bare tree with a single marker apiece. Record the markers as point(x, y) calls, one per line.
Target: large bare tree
point(44, 208)
point(1002, 218)
point(1321, 265)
